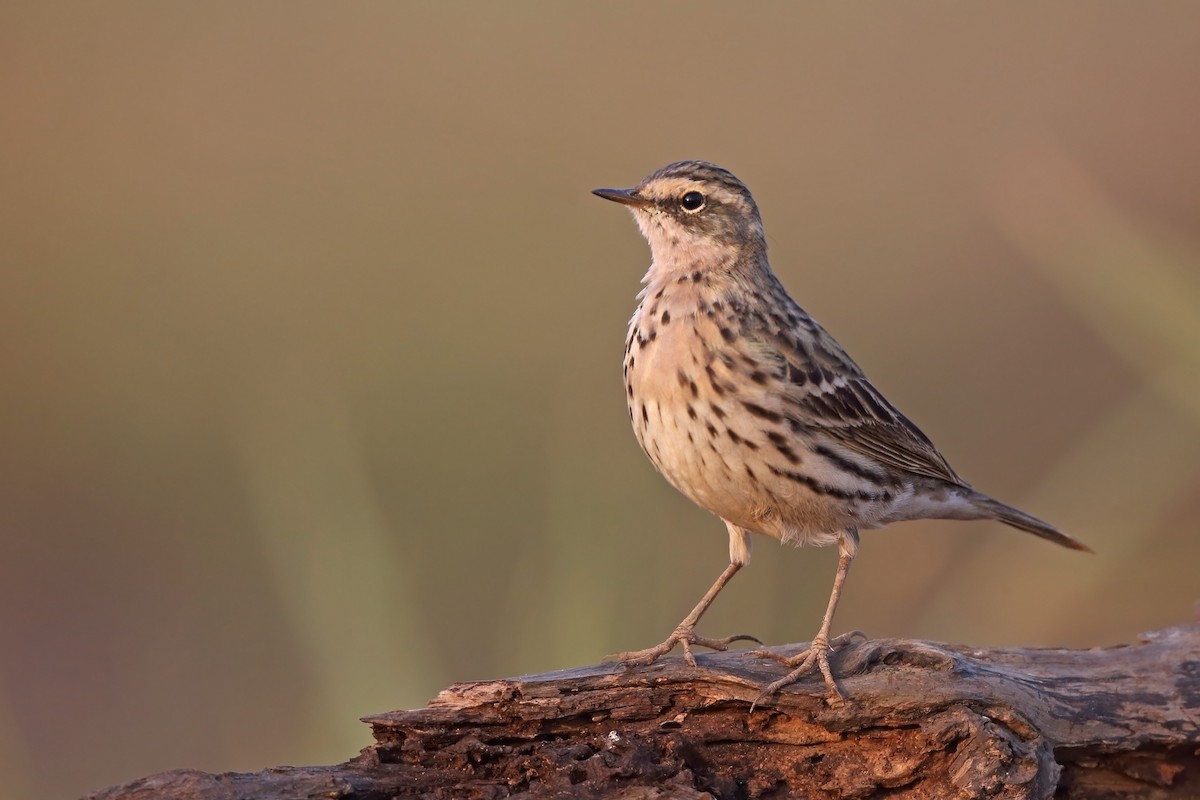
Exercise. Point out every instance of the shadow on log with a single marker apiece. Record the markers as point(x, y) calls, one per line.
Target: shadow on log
point(923, 720)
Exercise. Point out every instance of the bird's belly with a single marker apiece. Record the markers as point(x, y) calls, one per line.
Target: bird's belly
point(723, 458)
point(697, 458)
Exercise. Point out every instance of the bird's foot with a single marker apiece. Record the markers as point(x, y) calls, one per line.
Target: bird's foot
point(815, 657)
point(684, 635)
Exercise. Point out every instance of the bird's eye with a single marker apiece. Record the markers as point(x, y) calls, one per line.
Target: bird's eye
point(692, 202)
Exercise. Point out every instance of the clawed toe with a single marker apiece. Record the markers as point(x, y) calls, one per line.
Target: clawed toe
point(782, 659)
point(850, 637)
point(723, 644)
point(640, 658)
point(685, 637)
point(804, 655)
point(816, 656)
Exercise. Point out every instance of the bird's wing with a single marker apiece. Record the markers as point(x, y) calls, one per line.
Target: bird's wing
point(827, 393)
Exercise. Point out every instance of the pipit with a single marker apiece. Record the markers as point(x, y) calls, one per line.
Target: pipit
point(755, 413)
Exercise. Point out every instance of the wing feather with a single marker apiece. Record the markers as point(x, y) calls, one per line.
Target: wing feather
point(828, 393)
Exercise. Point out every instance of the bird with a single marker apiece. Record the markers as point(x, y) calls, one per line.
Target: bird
point(754, 412)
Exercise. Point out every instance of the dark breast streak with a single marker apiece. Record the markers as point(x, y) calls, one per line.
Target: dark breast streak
point(704, 397)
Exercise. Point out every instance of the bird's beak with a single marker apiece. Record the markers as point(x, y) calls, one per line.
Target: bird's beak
point(626, 197)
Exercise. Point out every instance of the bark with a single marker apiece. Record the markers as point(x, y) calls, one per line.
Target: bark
point(921, 720)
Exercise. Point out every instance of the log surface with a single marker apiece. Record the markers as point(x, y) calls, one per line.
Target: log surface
point(922, 720)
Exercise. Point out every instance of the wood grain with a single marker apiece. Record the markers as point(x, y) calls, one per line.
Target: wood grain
point(923, 720)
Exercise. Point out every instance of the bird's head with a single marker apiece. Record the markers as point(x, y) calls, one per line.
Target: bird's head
point(693, 212)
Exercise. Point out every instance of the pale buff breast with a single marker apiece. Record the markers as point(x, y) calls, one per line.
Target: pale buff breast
point(686, 402)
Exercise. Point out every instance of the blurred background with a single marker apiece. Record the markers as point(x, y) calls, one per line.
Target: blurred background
point(311, 333)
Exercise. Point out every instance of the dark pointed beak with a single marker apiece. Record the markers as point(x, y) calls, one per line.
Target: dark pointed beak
point(626, 197)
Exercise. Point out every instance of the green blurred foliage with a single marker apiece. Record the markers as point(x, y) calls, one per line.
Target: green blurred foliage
point(311, 332)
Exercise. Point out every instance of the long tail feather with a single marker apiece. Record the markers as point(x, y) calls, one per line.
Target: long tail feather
point(1026, 522)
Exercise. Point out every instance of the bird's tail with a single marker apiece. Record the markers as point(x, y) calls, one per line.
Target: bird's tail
point(994, 509)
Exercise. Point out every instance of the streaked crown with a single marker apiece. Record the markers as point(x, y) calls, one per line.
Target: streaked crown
point(692, 201)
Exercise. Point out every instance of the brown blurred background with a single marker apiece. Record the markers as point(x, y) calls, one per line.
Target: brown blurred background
point(310, 335)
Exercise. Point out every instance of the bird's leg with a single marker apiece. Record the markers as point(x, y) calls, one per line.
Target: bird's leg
point(817, 654)
point(685, 633)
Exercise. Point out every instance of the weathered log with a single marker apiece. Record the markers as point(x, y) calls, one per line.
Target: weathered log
point(921, 720)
